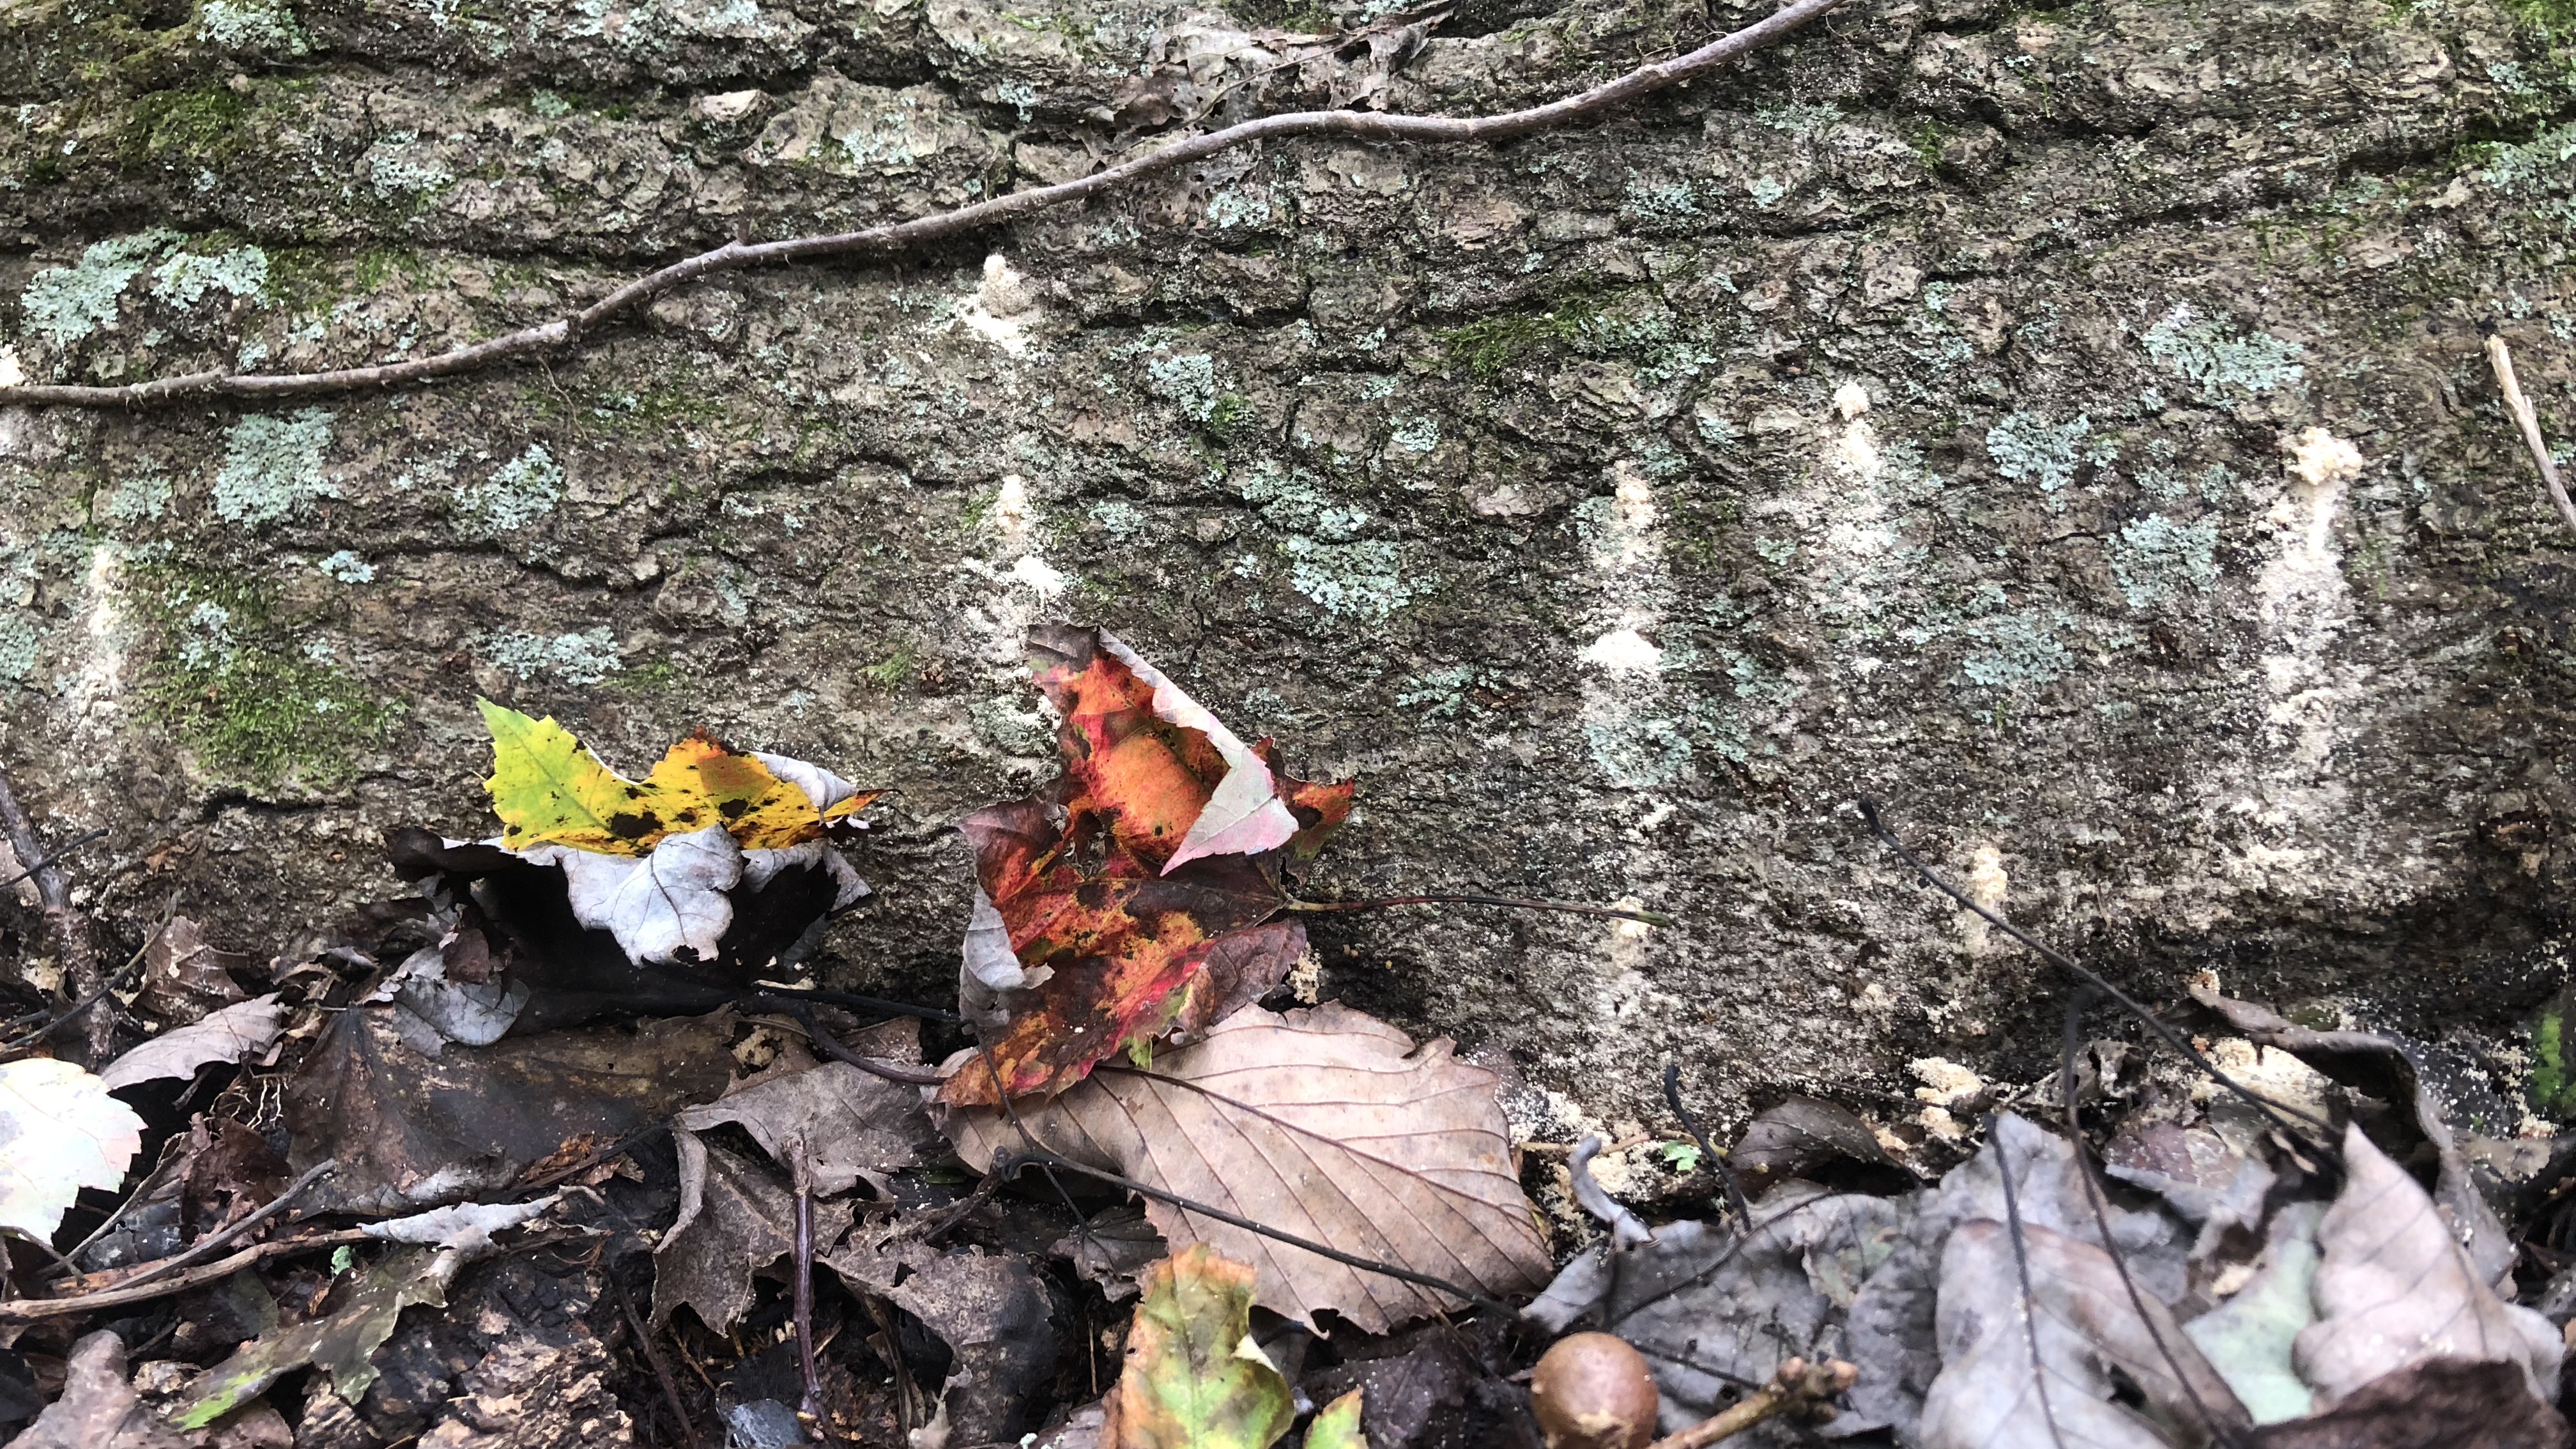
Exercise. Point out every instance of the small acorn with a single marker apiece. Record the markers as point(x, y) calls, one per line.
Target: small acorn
point(1593, 1391)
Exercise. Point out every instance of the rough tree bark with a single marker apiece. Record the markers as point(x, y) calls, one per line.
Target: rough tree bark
point(1923, 408)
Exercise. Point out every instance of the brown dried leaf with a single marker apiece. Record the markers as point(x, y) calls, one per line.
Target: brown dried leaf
point(994, 1314)
point(184, 977)
point(236, 1033)
point(98, 1409)
point(2442, 1403)
point(853, 1125)
point(734, 1220)
point(1323, 1123)
point(2396, 1288)
point(411, 1131)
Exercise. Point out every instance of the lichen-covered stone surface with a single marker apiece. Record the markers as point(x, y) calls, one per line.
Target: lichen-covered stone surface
point(2068, 426)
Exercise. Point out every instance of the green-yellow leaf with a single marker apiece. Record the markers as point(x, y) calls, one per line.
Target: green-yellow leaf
point(1194, 1379)
point(1337, 1426)
point(548, 789)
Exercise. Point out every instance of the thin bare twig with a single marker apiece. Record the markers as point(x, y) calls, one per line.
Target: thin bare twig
point(210, 1242)
point(810, 1408)
point(70, 927)
point(1797, 1385)
point(579, 327)
point(2021, 1264)
point(1725, 1169)
point(55, 1023)
point(687, 1431)
point(28, 1310)
point(2500, 357)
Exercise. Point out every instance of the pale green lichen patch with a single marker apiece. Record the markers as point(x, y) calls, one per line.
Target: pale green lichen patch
point(65, 304)
point(398, 172)
point(185, 278)
point(2028, 448)
point(1187, 381)
point(21, 640)
point(516, 494)
point(139, 498)
point(1368, 579)
point(2019, 650)
point(2155, 557)
point(348, 568)
point(2213, 357)
point(251, 25)
point(585, 657)
point(1638, 752)
point(273, 466)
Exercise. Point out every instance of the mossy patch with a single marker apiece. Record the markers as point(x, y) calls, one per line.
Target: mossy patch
point(252, 706)
point(1488, 345)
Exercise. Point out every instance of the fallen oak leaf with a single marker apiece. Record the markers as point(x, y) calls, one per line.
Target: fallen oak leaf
point(60, 1132)
point(1325, 1124)
point(342, 1343)
point(233, 1034)
point(1193, 1377)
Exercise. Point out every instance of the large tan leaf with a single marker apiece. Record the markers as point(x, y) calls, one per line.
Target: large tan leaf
point(2396, 1288)
point(59, 1132)
point(1323, 1123)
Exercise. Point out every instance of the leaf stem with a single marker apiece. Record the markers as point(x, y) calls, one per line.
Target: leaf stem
point(1517, 903)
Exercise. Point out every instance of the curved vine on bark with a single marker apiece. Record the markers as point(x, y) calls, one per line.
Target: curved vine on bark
point(576, 328)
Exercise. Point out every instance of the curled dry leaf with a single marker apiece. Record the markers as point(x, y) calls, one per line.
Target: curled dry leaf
point(734, 1221)
point(1133, 893)
point(1892, 1327)
point(185, 977)
point(236, 1033)
point(60, 1132)
point(1324, 1123)
point(2035, 1370)
point(1805, 1137)
point(1194, 1379)
point(2396, 1288)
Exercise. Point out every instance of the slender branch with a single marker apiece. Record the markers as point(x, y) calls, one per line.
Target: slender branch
point(579, 327)
point(70, 927)
point(686, 1431)
point(1797, 1385)
point(28, 1310)
point(1725, 1169)
point(2021, 1265)
point(207, 1244)
point(810, 1407)
point(54, 1024)
point(1516, 903)
point(2500, 358)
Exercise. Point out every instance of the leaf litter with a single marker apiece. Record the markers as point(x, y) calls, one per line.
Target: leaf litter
point(578, 1098)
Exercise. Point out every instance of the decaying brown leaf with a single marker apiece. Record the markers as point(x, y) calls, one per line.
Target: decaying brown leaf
point(1324, 1123)
point(2441, 1403)
point(993, 1313)
point(2397, 1288)
point(98, 1409)
point(185, 977)
point(410, 1131)
point(734, 1220)
point(851, 1126)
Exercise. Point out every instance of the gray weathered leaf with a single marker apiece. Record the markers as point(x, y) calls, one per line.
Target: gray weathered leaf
point(734, 1220)
point(1324, 1123)
point(2396, 1288)
point(1892, 1324)
point(465, 1226)
point(1710, 1310)
point(658, 905)
point(233, 1034)
point(993, 1313)
point(2033, 1370)
point(59, 1132)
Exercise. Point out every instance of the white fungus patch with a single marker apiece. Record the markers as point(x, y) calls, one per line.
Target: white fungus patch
point(1003, 308)
point(1625, 651)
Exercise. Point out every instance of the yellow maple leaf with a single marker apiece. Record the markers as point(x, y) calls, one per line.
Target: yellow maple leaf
point(760, 810)
point(550, 790)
